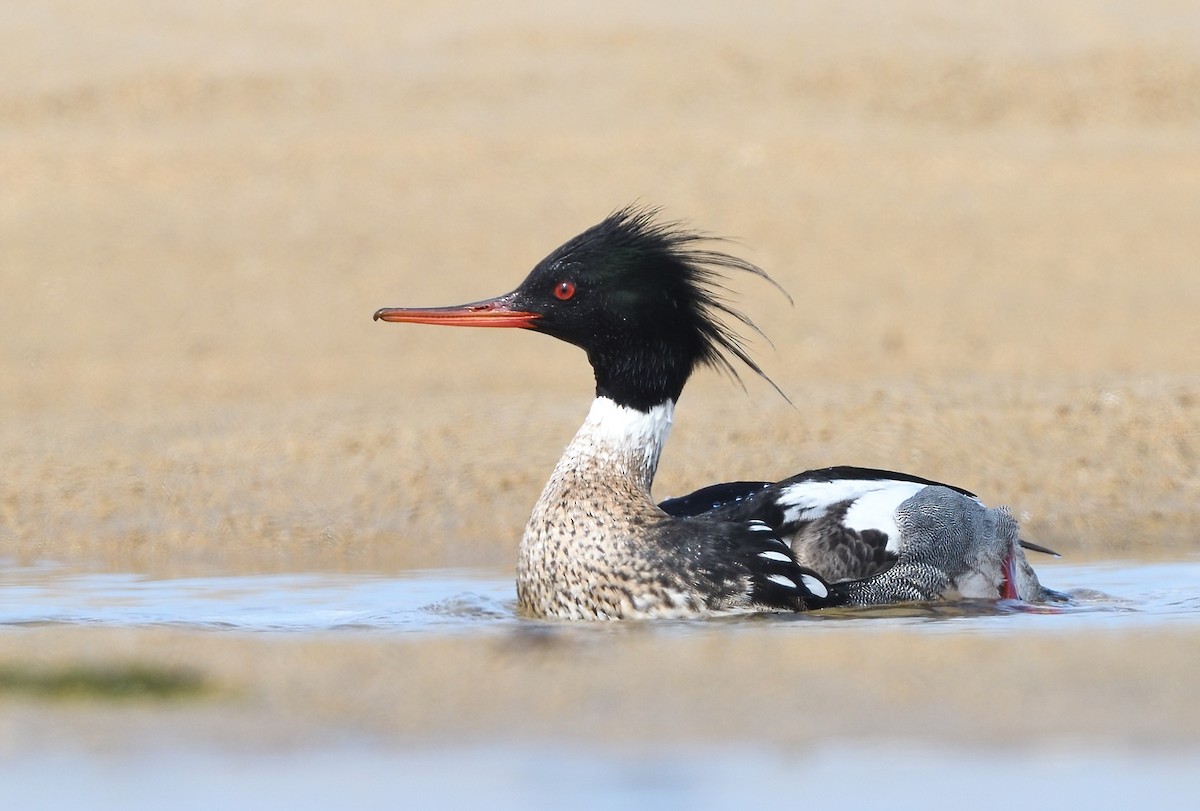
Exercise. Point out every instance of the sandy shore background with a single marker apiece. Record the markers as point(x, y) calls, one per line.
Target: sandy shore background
point(988, 217)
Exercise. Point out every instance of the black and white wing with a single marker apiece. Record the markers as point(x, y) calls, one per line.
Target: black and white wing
point(878, 536)
point(839, 521)
point(739, 565)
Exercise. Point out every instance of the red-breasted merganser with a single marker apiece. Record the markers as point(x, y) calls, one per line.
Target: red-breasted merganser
point(642, 299)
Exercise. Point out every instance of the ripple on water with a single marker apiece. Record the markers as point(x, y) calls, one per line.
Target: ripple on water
point(1103, 595)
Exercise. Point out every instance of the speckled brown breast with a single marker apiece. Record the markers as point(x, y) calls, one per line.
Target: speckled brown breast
point(587, 550)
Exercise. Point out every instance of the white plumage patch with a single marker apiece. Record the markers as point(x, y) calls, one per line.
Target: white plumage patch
point(782, 580)
point(618, 423)
point(873, 503)
point(977, 585)
point(815, 586)
point(877, 510)
point(760, 526)
point(813, 499)
point(779, 556)
point(625, 431)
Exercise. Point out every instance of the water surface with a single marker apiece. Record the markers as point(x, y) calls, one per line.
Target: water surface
point(530, 777)
point(1104, 595)
point(540, 774)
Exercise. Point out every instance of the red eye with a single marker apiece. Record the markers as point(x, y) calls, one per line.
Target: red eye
point(564, 290)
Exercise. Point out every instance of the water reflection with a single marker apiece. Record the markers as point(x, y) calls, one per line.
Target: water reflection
point(426, 600)
point(1112, 594)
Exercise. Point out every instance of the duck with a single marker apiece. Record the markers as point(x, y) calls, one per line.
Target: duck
point(647, 300)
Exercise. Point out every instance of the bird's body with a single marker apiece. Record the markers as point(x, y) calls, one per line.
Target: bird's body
point(598, 547)
point(644, 304)
point(878, 536)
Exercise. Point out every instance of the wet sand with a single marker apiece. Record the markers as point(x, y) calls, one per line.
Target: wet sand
point(989, 221)
point(607, 687)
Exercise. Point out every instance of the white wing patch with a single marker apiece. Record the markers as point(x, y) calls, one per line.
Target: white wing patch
point(815, 586)
point(873, 503)
point(782, 580)
point(877, 510)
point(779, 556)
point(812, 499)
